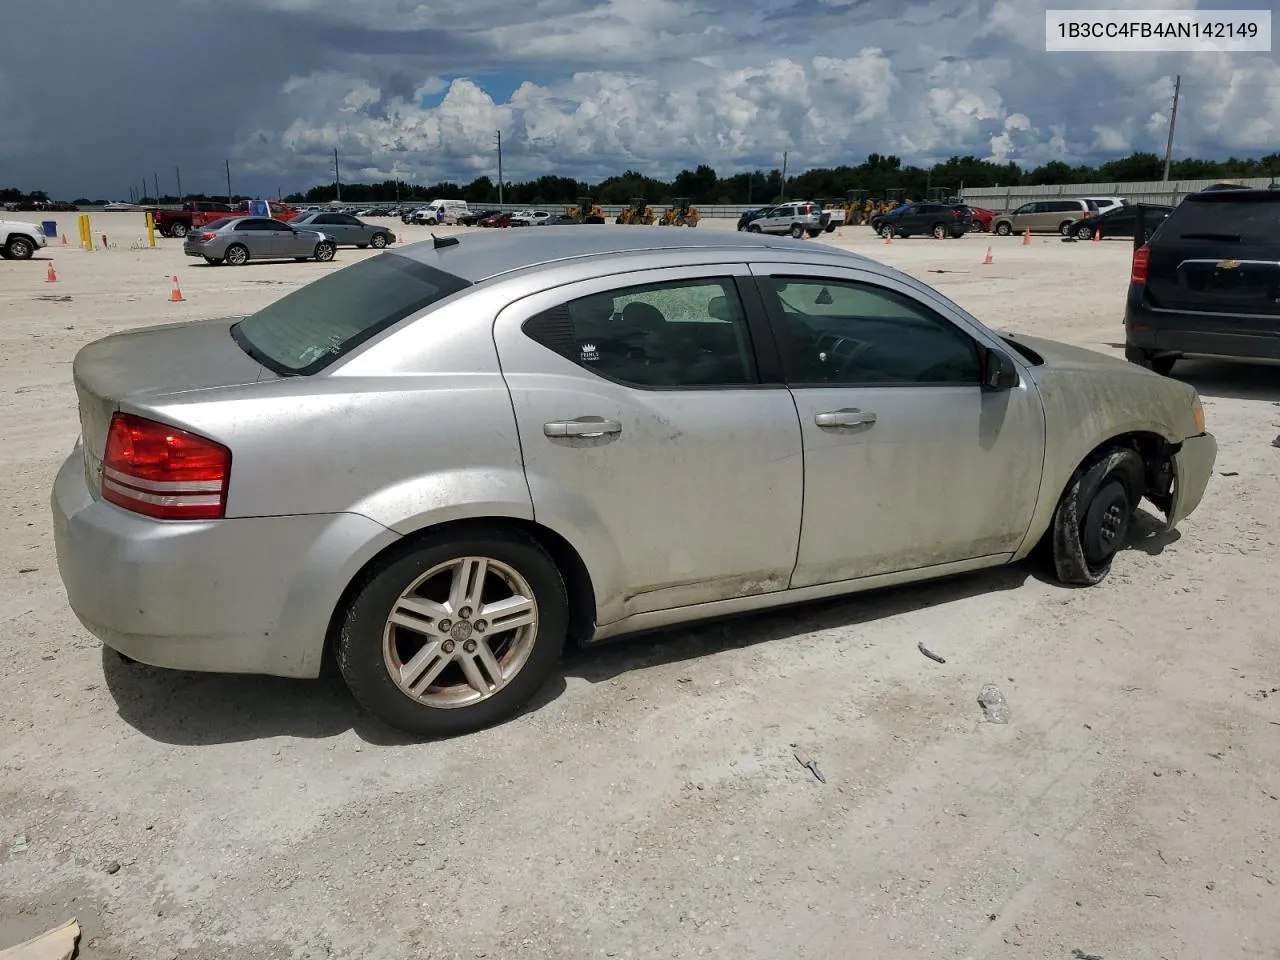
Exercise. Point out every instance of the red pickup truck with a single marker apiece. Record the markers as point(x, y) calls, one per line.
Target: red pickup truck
point(196, 213)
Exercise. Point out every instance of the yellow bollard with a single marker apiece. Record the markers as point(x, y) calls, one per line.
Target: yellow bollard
point(151, 229)
point(86, 232)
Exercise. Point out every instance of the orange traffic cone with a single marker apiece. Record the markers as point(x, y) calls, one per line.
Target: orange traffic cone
point(1026, 237)
point(988, 258)
point(51, 276)
point(888, 238)
point(64, 239)
point(1097, 236)
point(175, 295)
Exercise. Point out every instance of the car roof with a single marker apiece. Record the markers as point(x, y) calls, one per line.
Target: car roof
point(483, 256)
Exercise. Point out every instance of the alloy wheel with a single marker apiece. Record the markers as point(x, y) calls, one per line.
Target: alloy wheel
point(461, 632)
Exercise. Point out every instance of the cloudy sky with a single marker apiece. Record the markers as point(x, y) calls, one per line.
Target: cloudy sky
point(97, 94)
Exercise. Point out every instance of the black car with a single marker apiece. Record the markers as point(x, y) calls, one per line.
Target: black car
point(1207, 282)
point(472, 218)
point(939, 220)
point(750, 215)
point(1119, 222)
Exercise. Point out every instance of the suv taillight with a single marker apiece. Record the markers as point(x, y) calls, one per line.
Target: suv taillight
point(1138, 272)
point(163, 472)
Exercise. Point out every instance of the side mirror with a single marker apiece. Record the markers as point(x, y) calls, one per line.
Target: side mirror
point(999, 372)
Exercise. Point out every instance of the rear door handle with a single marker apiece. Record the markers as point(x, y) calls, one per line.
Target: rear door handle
point(845, 418)
point(582, 427)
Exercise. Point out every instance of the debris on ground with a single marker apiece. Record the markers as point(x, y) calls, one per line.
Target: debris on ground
point(1079, 954)
point(56, 944)
point(993, 703)
point(19, 844)
point(930, 654)
point(810, 764)
point(1229, 473)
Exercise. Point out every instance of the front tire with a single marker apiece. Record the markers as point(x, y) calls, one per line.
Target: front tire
point(1004, 229)
point(939, 231)
point(886, 230)
point(797, 231)
point(237, 255)
point(20, 248)
point(1093, 516)
point(1083, 233)
point(378, 241)
point(324, 252)
point(1064, 228)
point(454, 632)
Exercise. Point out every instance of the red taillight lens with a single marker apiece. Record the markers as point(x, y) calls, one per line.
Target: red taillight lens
point(206, 237)
point(163, 472)
point(1138, 272)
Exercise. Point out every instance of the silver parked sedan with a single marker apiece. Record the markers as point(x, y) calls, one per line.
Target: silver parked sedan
point(346, 229)
point(442, 463)
point(237, 240)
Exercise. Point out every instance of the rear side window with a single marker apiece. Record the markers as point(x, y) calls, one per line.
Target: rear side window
point(1228, 215)
point(313, 326)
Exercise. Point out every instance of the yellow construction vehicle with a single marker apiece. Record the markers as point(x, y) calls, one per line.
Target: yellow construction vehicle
point(680, 213)
point(585, 211)
point(638, 212)
point(856, 208)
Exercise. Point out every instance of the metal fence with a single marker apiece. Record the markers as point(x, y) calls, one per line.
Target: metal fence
point(1167, 192)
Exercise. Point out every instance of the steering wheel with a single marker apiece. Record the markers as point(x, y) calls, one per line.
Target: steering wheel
point(846, 351)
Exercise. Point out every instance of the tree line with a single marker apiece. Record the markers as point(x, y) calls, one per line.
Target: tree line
point(702, 185)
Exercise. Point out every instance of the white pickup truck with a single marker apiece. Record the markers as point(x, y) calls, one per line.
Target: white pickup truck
point(19, 239)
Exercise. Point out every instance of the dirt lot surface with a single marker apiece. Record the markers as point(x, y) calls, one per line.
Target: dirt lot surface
point(649, 804)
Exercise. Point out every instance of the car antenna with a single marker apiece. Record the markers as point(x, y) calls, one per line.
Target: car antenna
point(438, 242)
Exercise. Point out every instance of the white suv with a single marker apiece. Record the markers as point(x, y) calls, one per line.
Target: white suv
point(796, 217)
point(19, 239)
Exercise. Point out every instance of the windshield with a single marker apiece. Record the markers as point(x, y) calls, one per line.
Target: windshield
point(307, 330)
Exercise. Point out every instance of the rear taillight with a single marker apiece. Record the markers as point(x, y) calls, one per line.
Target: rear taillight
point(206, 237)
point(1138, 272)
point(163, 472)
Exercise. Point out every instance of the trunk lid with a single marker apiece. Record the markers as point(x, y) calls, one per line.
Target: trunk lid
point(147, 364)
point(1219, 255)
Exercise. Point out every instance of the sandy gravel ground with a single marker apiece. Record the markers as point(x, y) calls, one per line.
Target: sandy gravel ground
point(649, 805)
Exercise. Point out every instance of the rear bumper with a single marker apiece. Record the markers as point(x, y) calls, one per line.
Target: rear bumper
point(252, 595)
point(1192, 468)
point(1200, 334)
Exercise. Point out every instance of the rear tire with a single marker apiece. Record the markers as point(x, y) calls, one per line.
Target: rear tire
point(376, 657)
point(178, 230)
point(1083, 232)
point(1064, 228)
point(1004, 229)
point(797, 231)
point(1092, 519)
point(1158, 363)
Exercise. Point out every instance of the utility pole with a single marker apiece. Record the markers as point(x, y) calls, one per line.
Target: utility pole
point(784, 174)
point(1173, 118)
point(227, 164)
point(181, 196)
point(499, 168)
point(337, 180)
point(143, 196)
point(156, 181)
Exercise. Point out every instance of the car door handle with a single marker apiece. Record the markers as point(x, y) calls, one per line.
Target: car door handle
point(845, 418)
point(583, 427)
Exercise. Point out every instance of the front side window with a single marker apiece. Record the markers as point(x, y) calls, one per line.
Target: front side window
point(841, 332)
point(685, 333)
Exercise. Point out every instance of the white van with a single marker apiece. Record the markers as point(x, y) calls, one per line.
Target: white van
point(442, 211)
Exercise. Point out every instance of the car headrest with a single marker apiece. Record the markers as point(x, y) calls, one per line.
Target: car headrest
point(641, 314)
point(719, 308)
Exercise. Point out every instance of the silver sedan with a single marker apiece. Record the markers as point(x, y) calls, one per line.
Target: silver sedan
point(440, 465)
point(346, 229)
point(237, 240)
